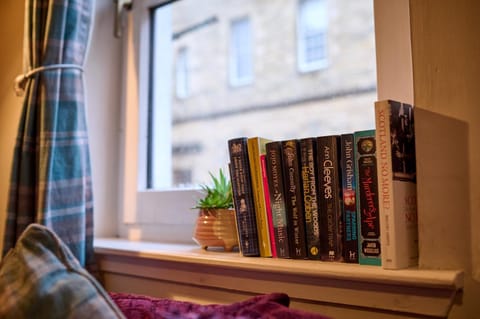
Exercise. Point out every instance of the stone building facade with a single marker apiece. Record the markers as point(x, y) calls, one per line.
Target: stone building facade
point(280, 101)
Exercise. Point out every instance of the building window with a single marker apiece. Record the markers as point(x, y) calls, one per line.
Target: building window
point(241, 64)
point(181, 74)
point(312, 35)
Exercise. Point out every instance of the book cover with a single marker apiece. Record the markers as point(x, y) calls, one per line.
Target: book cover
point(308, 157)
point(349, 208)
point(395, 138)
point(330, 197)
point(268, 206)
point(256, 149)
point(294, 199)
point(443, 179)
point(277, 198)
point(369, 240)
point(243, 197)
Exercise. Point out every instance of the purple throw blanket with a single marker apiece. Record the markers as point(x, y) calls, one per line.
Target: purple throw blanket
point(269, 306)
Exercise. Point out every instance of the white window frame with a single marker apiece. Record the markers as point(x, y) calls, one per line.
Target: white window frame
point(159, 215)
point(240, 54)
point(303, 64)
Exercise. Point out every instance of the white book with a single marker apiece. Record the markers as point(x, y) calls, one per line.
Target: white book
point(396, 171)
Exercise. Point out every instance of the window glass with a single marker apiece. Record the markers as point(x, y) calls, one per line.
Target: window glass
point(182, 73)
point(241, 52)
point(312, 34)
point(274, 41)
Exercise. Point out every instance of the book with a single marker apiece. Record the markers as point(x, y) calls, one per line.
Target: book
point(349, 207)
point(294, 199)
point(369, 240)
point(330, 197)
point(395, 138)
point(308, 165)
point(243, 197)
point(256, 149)
point(268, 206)
point(277, 198)
point(443, 179)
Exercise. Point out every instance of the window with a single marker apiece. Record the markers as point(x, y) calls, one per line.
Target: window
point(241, 67)
point(181, 72)
point(171, 144)
point(312, 35)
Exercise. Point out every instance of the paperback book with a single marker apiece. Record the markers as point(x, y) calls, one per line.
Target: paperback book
point(277, 198)
point(243, 197)
point(369, 240)
point(395, 138)
point(308, 164)
point(294, 199)
point(349, 188)
point(330, 198)
point(256, 150)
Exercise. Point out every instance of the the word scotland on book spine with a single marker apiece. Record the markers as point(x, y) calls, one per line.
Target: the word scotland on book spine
point(395, 140)
point(243, 197)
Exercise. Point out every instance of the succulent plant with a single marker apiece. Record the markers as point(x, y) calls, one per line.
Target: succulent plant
point(218, 195)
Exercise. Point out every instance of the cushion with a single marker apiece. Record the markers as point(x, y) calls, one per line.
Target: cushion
point(267, 306)
point(40, 278)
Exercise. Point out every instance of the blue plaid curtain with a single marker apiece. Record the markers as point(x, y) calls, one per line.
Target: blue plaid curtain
point(50, 179)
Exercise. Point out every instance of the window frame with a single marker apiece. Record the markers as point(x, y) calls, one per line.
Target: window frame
point(139, 207)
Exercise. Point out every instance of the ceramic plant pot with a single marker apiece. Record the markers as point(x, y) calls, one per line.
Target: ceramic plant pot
point(216, 228)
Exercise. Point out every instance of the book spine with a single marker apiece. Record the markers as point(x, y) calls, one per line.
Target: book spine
point(294, 199)
point(330, 197)
point(308, 155)
point(243, 197)
point(255, 150)
point(349, 187)
point(369, 241)
point(268, 206)
point(397, 182)
point(277, 198)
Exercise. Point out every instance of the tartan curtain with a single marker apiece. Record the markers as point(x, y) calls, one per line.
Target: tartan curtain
point(50, 179)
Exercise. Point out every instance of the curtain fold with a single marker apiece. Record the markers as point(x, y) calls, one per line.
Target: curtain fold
point(51, 178)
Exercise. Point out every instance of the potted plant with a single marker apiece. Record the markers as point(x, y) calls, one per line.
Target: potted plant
point(215, 226)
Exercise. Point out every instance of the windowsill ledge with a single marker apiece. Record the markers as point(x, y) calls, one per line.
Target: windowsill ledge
point(433, 291)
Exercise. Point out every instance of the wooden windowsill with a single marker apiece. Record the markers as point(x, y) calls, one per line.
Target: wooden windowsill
point(433, 291)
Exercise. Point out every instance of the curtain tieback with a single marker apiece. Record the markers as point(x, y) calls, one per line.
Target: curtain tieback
point(21, 80)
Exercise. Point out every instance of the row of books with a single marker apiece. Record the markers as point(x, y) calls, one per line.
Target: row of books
point(330, 198)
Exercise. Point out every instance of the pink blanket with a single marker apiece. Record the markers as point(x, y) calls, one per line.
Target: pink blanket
point(267, 306)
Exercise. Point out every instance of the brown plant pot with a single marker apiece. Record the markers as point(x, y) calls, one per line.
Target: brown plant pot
point(216, 228)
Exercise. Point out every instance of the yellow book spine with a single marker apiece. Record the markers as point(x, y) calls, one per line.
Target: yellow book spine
point(256, 146)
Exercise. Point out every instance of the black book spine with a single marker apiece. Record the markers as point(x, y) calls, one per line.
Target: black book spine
point(331, 233)
point(308, 157)
point(243, 197)
point(349, 186)
point(294, 199)
point(277, 198)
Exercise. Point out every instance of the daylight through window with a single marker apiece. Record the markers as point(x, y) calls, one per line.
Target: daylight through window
point(279, 69)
